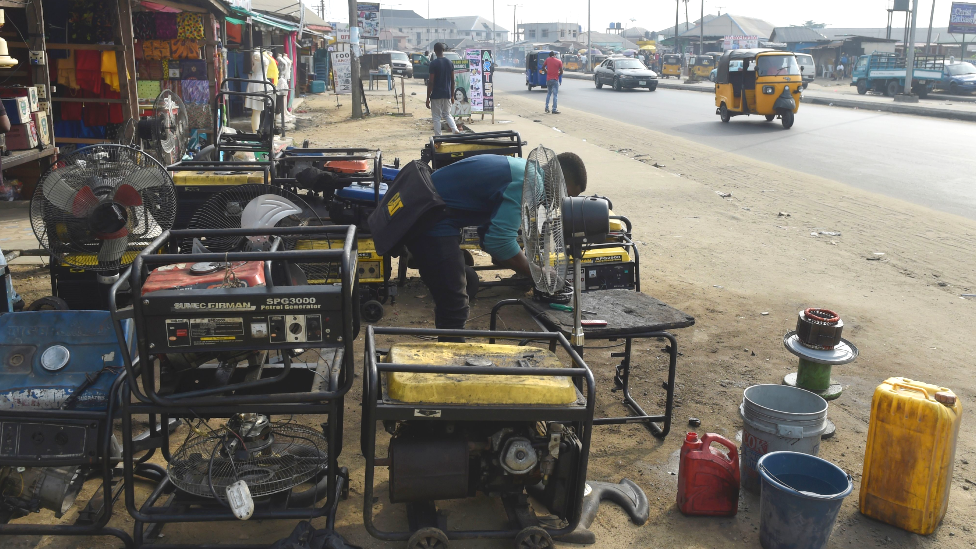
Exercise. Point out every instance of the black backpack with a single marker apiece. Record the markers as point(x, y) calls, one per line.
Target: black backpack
point(410, 205)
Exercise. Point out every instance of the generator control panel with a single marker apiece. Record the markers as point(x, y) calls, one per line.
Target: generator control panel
point(282, 317)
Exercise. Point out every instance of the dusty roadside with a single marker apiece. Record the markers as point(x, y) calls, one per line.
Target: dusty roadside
point(726, 261)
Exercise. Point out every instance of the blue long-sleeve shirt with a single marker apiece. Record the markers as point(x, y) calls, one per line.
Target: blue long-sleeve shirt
point(483, 191)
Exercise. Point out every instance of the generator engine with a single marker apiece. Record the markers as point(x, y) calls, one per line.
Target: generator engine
point(432, 461)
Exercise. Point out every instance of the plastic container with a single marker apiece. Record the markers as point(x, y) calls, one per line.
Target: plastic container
point(708, 480)
point(910, 450)
point(777, 417)
point(801, 496)
point(317, 86)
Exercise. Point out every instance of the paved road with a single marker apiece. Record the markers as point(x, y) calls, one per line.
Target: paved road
point(926, 161)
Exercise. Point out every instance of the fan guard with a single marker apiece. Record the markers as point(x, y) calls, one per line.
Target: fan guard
point(290, 456)
point(98, 207)
point(543, 191)
point(166, 132)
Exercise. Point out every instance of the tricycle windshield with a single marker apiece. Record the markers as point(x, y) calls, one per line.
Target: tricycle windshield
point(777, 65)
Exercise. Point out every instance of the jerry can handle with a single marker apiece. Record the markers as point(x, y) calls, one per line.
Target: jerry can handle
point(709, 438)
point(911, 388)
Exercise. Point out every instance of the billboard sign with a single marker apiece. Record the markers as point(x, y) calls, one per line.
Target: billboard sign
point(740, 42)
point(962, 18)
point(369, 20)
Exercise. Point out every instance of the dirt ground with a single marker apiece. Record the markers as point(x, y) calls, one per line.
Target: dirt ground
point(741, 246)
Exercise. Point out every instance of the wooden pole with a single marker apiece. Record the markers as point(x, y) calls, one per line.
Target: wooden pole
point(127, 62)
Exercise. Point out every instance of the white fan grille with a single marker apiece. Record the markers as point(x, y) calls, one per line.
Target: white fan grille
point(543, 191)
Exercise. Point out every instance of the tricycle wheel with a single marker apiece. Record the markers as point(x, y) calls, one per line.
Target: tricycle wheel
point(427, 538)
point(534, 537)
point(529, 86)
point(596, 80)
point(862, 87)
point(770, 117)
point(787, 117)
point(893, 89)
point(372, 311)
point(724, 113)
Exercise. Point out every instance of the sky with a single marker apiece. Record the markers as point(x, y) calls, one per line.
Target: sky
point(658, 14)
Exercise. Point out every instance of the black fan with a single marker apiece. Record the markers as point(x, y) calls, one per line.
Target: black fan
point(98, 207)
point(268, 205)
point(166, 132)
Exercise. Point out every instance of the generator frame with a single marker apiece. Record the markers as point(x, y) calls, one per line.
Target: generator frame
point(369, 291)
point(257, 396)
point(375, 409)
point(504, 143)
point(101, 422)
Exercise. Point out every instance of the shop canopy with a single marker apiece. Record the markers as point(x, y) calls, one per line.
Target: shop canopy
point(265, 19)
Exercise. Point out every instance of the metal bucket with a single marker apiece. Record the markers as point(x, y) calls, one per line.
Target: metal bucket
point(778, 418)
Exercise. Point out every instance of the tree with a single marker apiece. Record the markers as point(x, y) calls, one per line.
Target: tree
point(811, 24)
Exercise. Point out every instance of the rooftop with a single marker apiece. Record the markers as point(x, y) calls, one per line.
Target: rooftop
point(796, 34)
point(475, 23)
point(731, 25)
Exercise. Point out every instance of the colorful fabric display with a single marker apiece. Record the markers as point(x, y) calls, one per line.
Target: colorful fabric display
point(66, 71)
point(184, 49)
point(148, 89)
point(144, 26)
point(88, 70)
point(193, 69)
point(190, 26)
point(166, 26)
point(156, 49)
point(195, 91)
point(199, 116)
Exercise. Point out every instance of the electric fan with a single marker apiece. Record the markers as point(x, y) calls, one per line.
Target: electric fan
point(269, 457)
point(98, 207)
point(555, 228)
point(165, 133)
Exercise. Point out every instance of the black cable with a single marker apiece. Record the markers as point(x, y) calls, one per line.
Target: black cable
point(213, 491)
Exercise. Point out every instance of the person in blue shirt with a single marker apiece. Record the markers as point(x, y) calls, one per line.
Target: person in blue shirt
point(483, 191)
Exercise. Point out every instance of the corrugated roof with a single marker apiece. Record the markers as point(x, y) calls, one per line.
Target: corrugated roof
point(474, 23)
point(289, 8)
point(796, 34)
point(731, 25)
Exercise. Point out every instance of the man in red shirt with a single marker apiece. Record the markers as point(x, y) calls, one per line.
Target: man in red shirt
point(554, 74)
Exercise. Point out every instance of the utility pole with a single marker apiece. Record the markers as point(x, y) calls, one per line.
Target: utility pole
point(589, 38)
point(701, 31)
point(928, 40)
point(910, 61)
point(677, 14)
point(494, 49)
point(357, 82)
point(687, 25)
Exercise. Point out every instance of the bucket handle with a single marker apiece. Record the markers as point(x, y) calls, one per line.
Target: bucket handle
point(801, 492)
point(709, 438)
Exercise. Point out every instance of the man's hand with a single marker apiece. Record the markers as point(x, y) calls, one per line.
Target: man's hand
point(518, 263)
point(428, 102)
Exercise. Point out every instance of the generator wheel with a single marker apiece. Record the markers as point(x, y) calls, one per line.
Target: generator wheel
point(372, 311)
point(48, 303)
point(427, 538)
point(533, 537)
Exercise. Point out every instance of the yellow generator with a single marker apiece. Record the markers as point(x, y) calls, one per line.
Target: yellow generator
point(447, 149)
point(375, 287)
point(196, 181)
point(467, 418)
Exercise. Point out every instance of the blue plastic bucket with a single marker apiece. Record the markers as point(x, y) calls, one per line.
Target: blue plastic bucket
point(801, 496)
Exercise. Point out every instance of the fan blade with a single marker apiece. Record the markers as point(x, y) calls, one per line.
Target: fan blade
point(266, 211)
point(112, 249)
point(59, 192)
point(127, 195)
point(84, 202)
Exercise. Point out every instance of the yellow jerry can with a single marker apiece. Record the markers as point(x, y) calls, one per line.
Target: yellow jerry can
point(910, 451)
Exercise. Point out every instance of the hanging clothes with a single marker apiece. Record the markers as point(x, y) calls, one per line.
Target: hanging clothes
point(144, 25)
point(88, 70)
point(66, 71)
point(184, 49)
point(166, 26)
point(110, 70)
point(193, 69)
point(195, 91)
point(71, 110)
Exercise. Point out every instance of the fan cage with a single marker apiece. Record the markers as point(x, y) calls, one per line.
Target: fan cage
point(295, 455)
point(224, 209)
point(170, 127)
point(543, 191)
point(103, 169)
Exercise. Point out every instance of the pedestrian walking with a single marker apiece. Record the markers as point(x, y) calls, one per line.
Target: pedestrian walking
point(553, 68)
point(440, 90)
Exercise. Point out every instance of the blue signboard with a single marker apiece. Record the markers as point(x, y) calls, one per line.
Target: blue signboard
point(962, 18)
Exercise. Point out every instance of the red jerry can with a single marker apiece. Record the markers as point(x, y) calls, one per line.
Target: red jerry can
point(708, 481)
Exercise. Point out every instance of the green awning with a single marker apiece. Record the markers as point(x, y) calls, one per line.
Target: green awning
point(235, 21)
point(267, 20)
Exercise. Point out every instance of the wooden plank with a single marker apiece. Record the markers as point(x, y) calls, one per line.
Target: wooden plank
point(82, 140)
point(17, 158)
point(209, 52)
point(99, 47)
point(14, 4)
point(127, 61)
point(39, 73)
point(88, 100)
point(179, 6)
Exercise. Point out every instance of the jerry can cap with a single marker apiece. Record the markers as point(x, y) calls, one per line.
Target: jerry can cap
point(691, 437)
point(946, 398)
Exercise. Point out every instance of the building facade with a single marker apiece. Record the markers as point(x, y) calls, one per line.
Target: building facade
point(548, 32)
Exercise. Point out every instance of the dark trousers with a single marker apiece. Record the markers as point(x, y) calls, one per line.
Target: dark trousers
point(442, 268)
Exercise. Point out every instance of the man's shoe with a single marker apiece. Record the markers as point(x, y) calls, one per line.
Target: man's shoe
point(547, 109)
point(554, 111)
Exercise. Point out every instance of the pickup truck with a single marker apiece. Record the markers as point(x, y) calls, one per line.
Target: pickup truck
point(886, 72)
